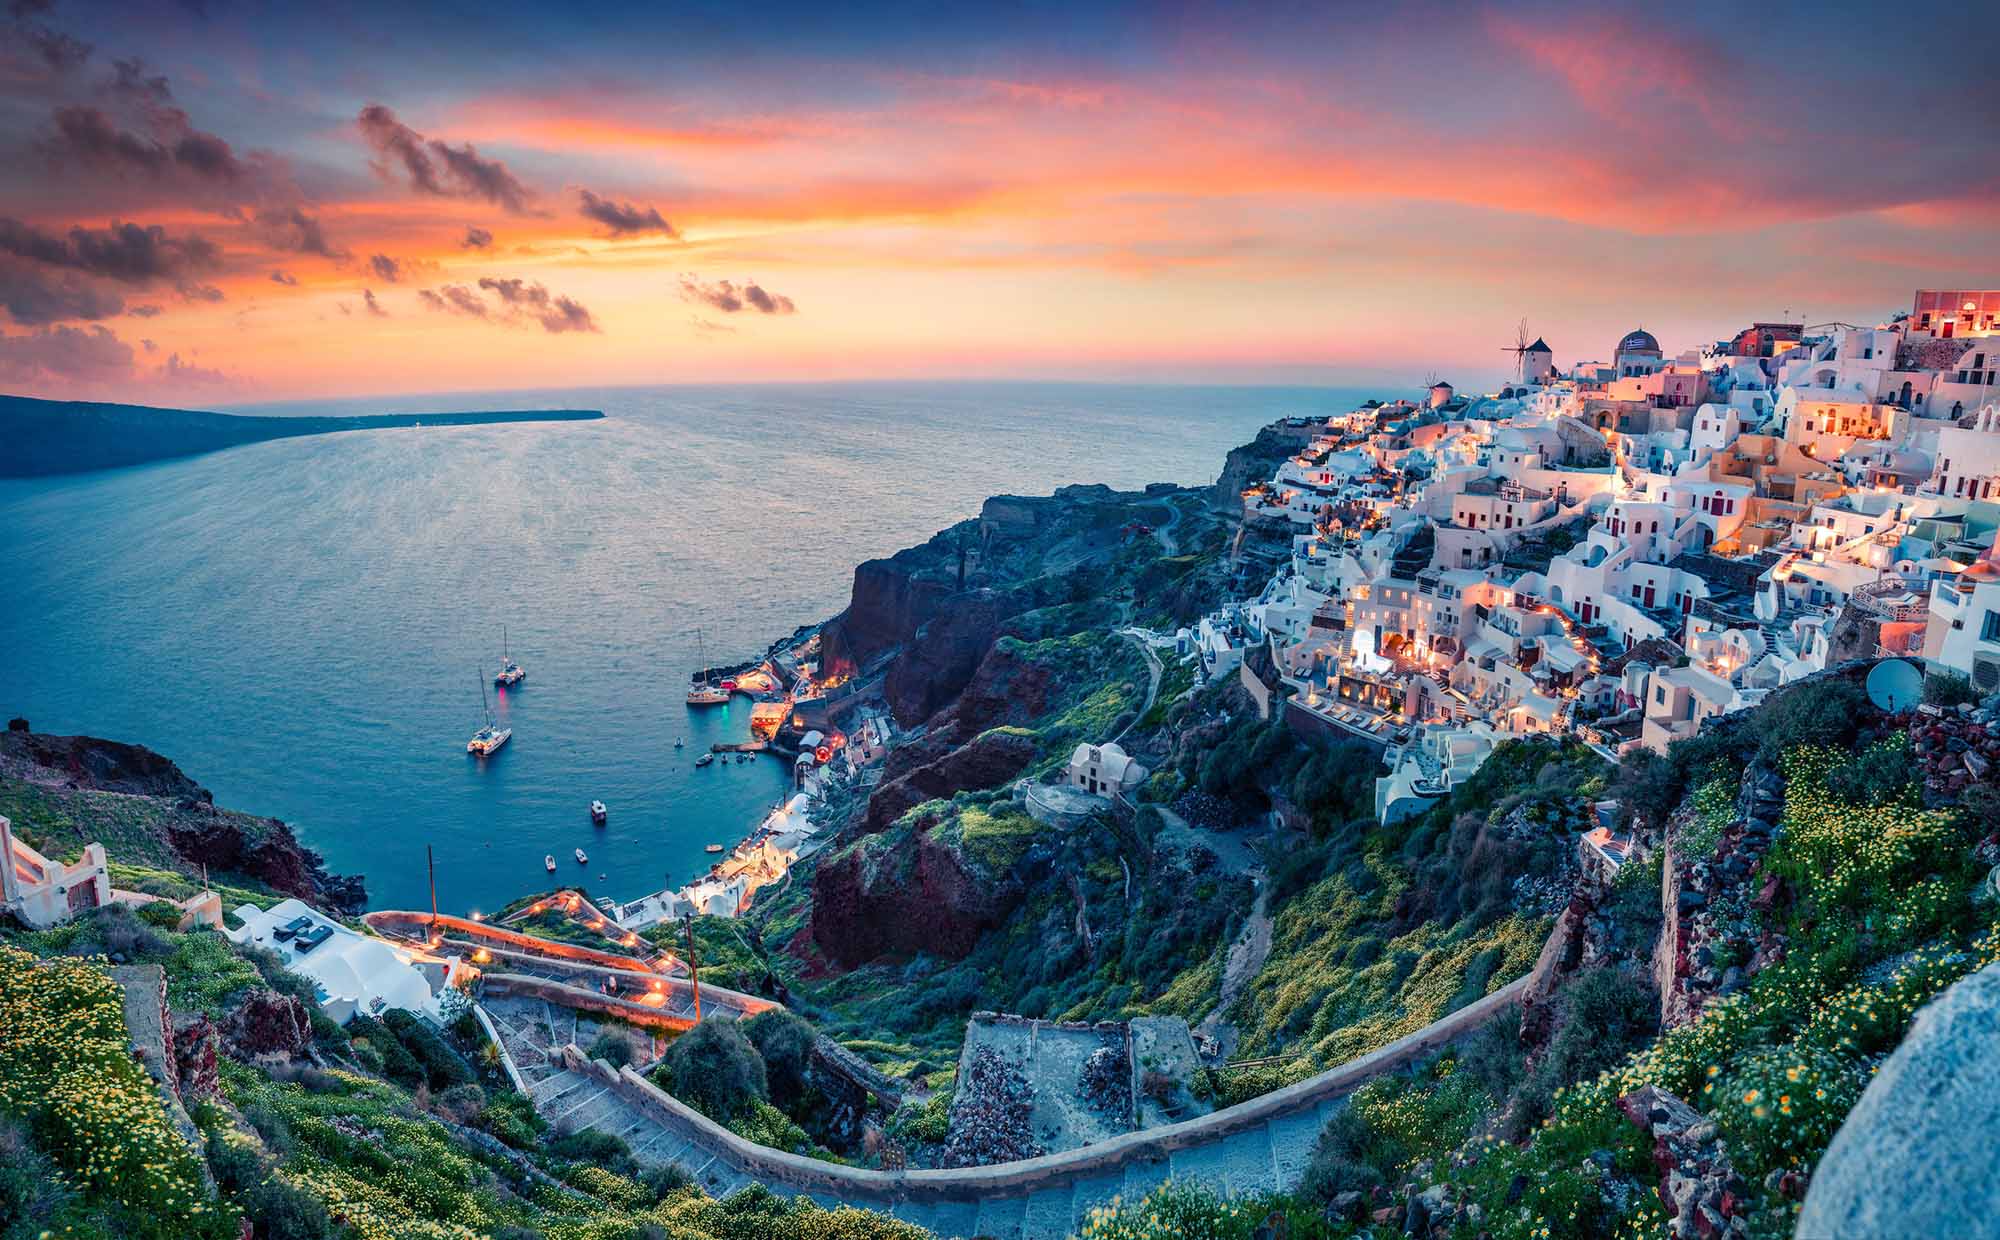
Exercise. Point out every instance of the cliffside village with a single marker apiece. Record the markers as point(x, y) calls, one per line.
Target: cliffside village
point(1624, 550)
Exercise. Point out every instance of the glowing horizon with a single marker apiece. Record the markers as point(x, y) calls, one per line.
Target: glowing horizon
point(1349, 197)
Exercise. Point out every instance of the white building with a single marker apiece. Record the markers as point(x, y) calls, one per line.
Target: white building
point(1104, 770)
point(42, 892)
point(351, 973)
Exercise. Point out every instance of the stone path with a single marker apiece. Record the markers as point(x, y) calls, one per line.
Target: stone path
point(1259, 1146)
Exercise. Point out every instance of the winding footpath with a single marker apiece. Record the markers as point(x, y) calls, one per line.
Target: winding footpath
point(1257, 1146)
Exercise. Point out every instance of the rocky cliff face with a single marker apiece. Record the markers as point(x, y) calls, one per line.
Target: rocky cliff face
point(901, 894)
point(891, 600)
point(1255, 461)
point(190, 824)
point(92, 764)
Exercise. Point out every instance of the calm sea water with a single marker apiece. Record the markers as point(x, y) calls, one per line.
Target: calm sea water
point(304, 625)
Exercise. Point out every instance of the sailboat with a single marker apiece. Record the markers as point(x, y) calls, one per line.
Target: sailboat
point(706, 693)
point(490, 737)
point(510, 673)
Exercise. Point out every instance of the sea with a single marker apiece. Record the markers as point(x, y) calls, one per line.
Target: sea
point(306, 625)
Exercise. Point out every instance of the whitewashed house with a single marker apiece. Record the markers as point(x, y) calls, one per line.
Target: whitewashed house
point(42, 892)
point(1104, 770)
point(352, 974)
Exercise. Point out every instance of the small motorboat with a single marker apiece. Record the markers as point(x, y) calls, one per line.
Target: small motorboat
point(598, 813)
point(680, 742)
point(714, 848)
point(549, 863)
point(580, 858)
point(705, 759)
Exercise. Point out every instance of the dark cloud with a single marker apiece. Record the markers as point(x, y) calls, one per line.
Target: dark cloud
point(293, 231)
point(59, 52)
point(128, 253)
point(374, 307)
point(144, 312)
point(623, 219)
point(88, 136)
point(63, 356)
point(148, 345)
point(476, 238)
point(33, 294)
point(386, 268)
point(285, 278)
point(189, 374)
point(435, 167)
point(730, 297)
point(193, 290)
point(453, 299)
point(555, 314)
point(19, 9)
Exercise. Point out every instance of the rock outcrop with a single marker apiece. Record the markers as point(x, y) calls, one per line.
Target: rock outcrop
point(96, 765)
point(269, 853)
point(1915, 1156)
point(901, 894)
point(1703, 1196)
point(987, 761)
point(268, 1025)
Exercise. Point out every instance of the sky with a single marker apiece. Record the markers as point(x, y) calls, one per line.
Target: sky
point(227, 201)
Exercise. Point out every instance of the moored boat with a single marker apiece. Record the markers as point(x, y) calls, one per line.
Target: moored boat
point(705, 692)
point(705, 759)
point(549, 862)
point(581, 859)
point(490, 736)
point(714, 848)
point(510, 673)
point(598, 813)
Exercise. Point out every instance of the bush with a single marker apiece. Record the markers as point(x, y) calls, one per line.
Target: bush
point(1948, 689)
point(613, 1048)
point(714, 1069)
point(666, 1180)
point(442, 1066)
point(588, 1145)
point(785, 1041)
point(284, 1211)
point(161, 914)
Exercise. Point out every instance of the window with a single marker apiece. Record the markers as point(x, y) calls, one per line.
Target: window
point(1989, 629)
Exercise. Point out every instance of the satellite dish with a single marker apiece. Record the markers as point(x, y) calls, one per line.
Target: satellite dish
point(1895, 685)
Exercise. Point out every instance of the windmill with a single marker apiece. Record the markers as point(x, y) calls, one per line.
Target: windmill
point(1523, 345)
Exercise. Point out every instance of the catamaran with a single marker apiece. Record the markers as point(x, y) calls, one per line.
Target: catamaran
point(706, 693)
point(490, 737)
point(510, 673)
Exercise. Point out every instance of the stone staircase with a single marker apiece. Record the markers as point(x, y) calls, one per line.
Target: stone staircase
point(1269, 1156)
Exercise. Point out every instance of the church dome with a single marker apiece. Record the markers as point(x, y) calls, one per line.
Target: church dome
point(1640, 341)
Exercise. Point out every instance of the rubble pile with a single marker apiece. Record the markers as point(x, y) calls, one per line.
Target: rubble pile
point(1704, 1197)
point(990, 1116)
point(1954, 746)
point(1711, 930)
point(1107, 1082)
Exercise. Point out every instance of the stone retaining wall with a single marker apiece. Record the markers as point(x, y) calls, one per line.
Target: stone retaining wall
point(810, 1175)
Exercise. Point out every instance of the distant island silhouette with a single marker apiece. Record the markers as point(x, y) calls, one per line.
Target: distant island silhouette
point(44, 437)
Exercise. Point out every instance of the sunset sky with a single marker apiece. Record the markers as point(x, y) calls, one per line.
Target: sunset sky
point(211, 202)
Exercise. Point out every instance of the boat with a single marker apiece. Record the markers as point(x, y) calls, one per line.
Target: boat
point(549, 862)
point(705, 692)
point(580, 858)
point(598, 813)
point(488, 739)
point(714, 848)
point(705, 759)
point(510, 673)
point(680, 742)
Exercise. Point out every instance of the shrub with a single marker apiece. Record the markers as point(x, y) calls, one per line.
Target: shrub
point(1780, 1106)
point(714, 1069)
point(160, 914)
point(1942, 688)
point(613, 1048)
point(442, 1066)
point(666, 1180)
point(785, 1041)
point(283, 1211)
point(588, 1145)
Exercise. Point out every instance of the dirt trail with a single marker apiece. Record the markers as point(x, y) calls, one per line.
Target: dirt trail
point(1246, 956)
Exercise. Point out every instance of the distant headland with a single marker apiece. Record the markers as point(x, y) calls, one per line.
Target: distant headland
point(46, 437)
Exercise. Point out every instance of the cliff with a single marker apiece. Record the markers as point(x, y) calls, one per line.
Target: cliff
point(65, 437)
point(63, 792)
